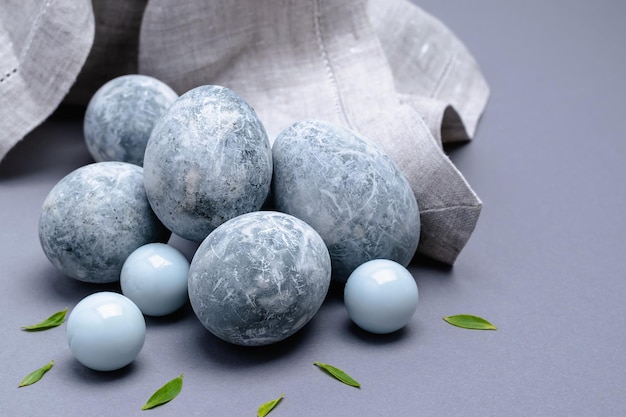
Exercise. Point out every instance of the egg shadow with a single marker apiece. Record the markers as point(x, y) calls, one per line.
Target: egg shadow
point(232, 356)
point(66, 289)
point(422, 261)
point(335, 292)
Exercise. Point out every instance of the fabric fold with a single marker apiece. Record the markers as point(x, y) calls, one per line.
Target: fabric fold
point(323, 59)
point(43, 46)
point(115, 47)
point(429, 62)
point(384, 68)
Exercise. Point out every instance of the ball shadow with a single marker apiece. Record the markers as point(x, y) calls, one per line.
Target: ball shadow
point(91, 377)
point(182, 314)
point(376, 339)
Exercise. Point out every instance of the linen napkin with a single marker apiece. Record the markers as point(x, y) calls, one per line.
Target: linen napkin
point(43, 46)
point(384, 68)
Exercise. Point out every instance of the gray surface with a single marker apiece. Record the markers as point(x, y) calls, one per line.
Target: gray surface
point(545, 263)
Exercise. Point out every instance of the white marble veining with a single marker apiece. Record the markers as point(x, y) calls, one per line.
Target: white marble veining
point(94, 218)
point(258, 278)
point(208, 160)
point(349, 191)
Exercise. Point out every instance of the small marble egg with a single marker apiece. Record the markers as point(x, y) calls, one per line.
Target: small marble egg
point(94, 217)
point(154, 277)
point(381, 296)
point(208, 160)
point(349, 191)
point(105, 331)
point(259, 278)
point(121, 115)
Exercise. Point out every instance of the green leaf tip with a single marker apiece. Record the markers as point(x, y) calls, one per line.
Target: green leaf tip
point(36, 375)
point(468, 321)
point(265, 408)
point(338, 374)
point(165, 394)
point(53, 321)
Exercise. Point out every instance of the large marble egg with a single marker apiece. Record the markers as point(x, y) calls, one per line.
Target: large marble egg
point(259, 278)
point(121, 115)
point(208, 160)
point(94, 218)
point(349, 191)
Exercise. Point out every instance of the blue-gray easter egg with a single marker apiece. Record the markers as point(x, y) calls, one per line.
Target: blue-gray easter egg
point(208, 160)
point(94, 218)
point(259, 278)
point(121, 115)
point(349, 191)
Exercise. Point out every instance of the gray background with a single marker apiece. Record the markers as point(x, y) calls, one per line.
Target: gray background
point(545, 262)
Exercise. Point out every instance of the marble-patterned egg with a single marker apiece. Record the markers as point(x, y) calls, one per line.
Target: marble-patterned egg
point(259, 278)
point(94, 218)
point(121, 115)
point(349, 191)
point(208, 160)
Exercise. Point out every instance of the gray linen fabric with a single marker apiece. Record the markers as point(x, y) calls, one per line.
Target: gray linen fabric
point(384, 68)
point(43, 45)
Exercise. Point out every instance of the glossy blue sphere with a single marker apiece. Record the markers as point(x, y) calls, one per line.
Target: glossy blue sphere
point(381, 296)
point(105, 331)
point(154, 277)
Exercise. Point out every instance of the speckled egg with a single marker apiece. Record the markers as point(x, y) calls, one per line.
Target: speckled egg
point(259, 278)
point(208, 160)
point(94, 218)
point(349, 191)
point(121, 115)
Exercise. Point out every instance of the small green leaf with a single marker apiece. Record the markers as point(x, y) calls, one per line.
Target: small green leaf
point(338, 374)
point(265, 408)
point(165, 394)
point(36, 375)
point(467, 321)
point(53, 321)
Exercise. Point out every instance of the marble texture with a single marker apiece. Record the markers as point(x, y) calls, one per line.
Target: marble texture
point(259, 278)
point(349, 191)
point(208, 160)
point(121, 115)
point(94, 218)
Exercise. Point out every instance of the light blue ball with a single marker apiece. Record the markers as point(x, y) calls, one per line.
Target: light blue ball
point(121, 115)
point(105, 331)
point(154, 277)
point(381, 296)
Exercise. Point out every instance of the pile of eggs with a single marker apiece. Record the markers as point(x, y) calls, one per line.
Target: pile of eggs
point(275, 222)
